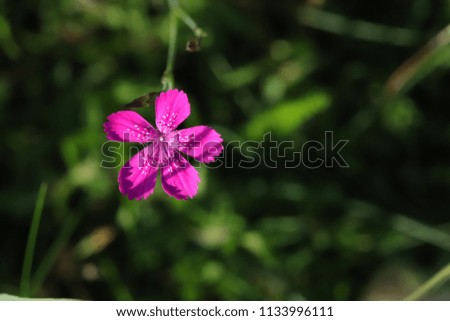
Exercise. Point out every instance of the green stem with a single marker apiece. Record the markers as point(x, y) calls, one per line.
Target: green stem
point(188, 21)
point(32, 235)
point(167, 78)
point(438, 279)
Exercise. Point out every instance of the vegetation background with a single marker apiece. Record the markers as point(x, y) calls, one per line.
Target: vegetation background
point(375, 230)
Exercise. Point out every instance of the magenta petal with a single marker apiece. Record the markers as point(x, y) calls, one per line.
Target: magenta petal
point(137, 178)
point(179, 178)
point(172, 108)
point(129, 126)
point(200, 142)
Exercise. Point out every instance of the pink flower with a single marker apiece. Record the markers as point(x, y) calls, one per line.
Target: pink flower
point(137, 178)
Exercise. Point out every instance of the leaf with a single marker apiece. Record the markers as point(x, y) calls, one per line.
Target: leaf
point(8, 297)
point(143, 101)
point(285, 118)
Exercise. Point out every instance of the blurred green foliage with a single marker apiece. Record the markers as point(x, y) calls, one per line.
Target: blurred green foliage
point(374, 230)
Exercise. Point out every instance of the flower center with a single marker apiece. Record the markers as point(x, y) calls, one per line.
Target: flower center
point(163, 151)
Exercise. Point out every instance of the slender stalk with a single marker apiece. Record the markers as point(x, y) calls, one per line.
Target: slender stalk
point(32, 235)
point(51, 256)
point(167, 78)
point(188, 21)
point(403, 74)
point(435, 281)
point(421, 232)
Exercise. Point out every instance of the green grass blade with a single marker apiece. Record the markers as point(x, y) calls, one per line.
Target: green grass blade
point(422, 232)
point(32, 235)
point(435, 53)
point(52, 254)
point(438, 279)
